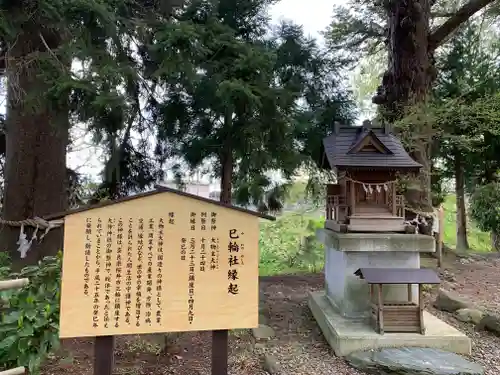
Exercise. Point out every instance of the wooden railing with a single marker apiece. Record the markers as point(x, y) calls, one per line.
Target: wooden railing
point(6, 285)
point(400, 206)
point(336, 206)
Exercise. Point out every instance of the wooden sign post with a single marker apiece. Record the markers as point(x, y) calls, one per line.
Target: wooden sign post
point(163, 261)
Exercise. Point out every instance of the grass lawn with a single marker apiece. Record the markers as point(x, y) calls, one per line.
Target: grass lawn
point(478, 240)
point(288, 245)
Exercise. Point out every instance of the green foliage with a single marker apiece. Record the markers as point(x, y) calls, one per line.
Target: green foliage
point(357, 27)
point(466, 85)
point(288, 245)
point(478, 240)
point(29, 327)
point(207, 82)
point(102, 38)
point(297, 193)
point(243, 101)
point(5, 265)
point(485, 208)
point(303, 194)
point(365, 80)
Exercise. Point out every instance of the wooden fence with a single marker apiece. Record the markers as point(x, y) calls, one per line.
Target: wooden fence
point(6, 285)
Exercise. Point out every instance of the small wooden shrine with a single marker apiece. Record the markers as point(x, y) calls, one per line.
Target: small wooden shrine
point(397, 316)
point(366, 160)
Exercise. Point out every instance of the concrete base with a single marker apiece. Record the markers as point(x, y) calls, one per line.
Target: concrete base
point(346, 335)
point(345, 253)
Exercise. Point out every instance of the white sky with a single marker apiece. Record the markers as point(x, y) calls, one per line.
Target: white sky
point(314, 15)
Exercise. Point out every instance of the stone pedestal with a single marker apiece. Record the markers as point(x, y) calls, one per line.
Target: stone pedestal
point(347, 252)
point(346, 336)
point(343, 308)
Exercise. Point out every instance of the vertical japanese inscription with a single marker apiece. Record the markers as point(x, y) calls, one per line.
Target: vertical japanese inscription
point(213, 221)
point(97, 275)
point(233, 262)
point(214, 243)
point(88, 247)
point(128, 278)
point(183, 248)
point(118, 271)
point(139, 272)
point(192, 221)
point(214, 253)
point(107, 270)
point(149, 273)
point(203, 254)
point(191, 280)
point(159, 270)
point(203, 221)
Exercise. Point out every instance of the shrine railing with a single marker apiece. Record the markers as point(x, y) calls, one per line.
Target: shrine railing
point(400, 206)
point(336, 207)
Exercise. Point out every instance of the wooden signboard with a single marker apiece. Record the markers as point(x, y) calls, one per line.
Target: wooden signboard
point(163, 261)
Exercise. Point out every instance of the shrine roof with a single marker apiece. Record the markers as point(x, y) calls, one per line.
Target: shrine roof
point(398, 275)
point(340, 149)
point(159, 189)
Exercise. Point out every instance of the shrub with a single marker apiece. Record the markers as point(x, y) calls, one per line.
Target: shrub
point(485, 207)
point(289, 245)
point(29, 328)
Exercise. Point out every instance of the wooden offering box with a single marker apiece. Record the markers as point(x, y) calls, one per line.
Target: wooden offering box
point(400, 316)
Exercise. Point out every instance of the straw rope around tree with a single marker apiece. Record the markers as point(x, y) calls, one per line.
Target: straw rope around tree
point(38, 224)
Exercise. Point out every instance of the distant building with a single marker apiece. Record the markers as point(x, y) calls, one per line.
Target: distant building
point(215, 194)
point(198, 188)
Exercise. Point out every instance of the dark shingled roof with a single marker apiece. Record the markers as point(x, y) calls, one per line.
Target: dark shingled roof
point(398, 275)
point(337, 147)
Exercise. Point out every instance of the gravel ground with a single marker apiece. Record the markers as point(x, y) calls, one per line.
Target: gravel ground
point(485, 346)
point(298, 347)
point(478, 279)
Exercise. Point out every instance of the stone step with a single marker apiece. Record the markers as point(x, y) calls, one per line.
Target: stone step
point(389, 223)
point(373, 217)
point(414, 361)
point(380, 227)
point(371, 209)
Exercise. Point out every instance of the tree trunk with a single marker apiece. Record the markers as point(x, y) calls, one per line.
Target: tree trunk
point(226, 177)
point(227, 162)
point(495, 241)
point(407, 81)
point(462, 243)
point(411, 72)
point(220, 338)
point(36, 142)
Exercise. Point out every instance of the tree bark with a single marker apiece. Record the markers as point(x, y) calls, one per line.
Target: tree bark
point(227, 163)
point(495, 241)
point(408, 80)
point(220, 338)
point(462, 242)
point(411, 72)
point(36, 142)
point(455, 20)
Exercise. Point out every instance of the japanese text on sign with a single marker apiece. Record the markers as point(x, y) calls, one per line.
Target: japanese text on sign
point(152, 269)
